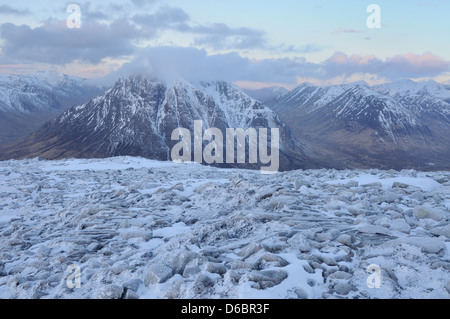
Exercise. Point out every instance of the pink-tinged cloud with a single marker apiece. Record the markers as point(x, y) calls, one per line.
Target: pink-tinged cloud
point(425, 62)
point(406, 65)
point(194, 64)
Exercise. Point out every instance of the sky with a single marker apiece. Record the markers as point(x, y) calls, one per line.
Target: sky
point(252, 43)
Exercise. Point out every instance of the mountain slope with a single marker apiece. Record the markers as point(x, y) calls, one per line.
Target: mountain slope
point(266, 94)
point(28, 101)
point(397, 125)
point(138, 115)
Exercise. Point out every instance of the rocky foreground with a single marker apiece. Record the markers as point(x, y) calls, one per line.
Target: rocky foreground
point(136, 228)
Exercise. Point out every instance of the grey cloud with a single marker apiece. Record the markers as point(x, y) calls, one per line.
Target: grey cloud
point(163, 18)
point(216, 35)
point(55, 43)
point(95, 16)
point(6, 9)
point(221, 36)
point(196, 65)
point(143, 3)
point(90, 14)
point(306, 48)
point(400, 66)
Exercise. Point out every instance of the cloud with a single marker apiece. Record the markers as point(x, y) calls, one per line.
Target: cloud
point(217, 36)
point(99, 38)
point(57, 44)
point(410, 64)
point(163, 18)
point(196, 65)
point(5, 9)
point(306, 48)
point(342, 30)
point(90, 15)
point(220, 36)
point(102, 38)
point(143, 3)
point(400, 66)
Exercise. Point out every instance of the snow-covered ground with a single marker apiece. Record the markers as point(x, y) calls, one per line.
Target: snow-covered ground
point(140, 228)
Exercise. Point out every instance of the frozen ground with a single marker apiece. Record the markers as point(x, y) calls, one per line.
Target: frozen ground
point(140, 228)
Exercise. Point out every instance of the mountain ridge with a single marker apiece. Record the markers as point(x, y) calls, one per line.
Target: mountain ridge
point(396, 125)
point(138, 115)
point(28, 101)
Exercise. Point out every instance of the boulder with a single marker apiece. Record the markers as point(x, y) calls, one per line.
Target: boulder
point(158, 273)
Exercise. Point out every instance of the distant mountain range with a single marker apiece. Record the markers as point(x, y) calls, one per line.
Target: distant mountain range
point(397, 125)
point(138, 115)
point(266, 94)
point(28, 101)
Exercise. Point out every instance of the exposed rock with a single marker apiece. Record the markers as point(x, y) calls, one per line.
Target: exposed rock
point(299, 241)
point(157, 273)
point(308, 269)
point(202, 282)
point(328, 260)
point(216, 268)
point(237, 264)
point(399, 185)
point(400, 225)
point(179, 261)
point(441, 231)
point(340, 275)
point(344, 239)
point(270, 260)
point(130, 294)
point(428, 245)
point(130, 234)
point(110, 292)
point(421, 212)
point(268, 278)
point(249, 250)
point(132, 284)
point(191, 268)
point(301, 294)
point(441, 264)
point(342, 288)
point(372, 229)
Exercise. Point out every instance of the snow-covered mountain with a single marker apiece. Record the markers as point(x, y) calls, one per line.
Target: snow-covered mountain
point(37, 92)
point(266, 94)
point(138, 115)
point(402, 88)
point(351, 103)
point(28, 101)
point(389, 125)
point(425, 99)
point(403, 124)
